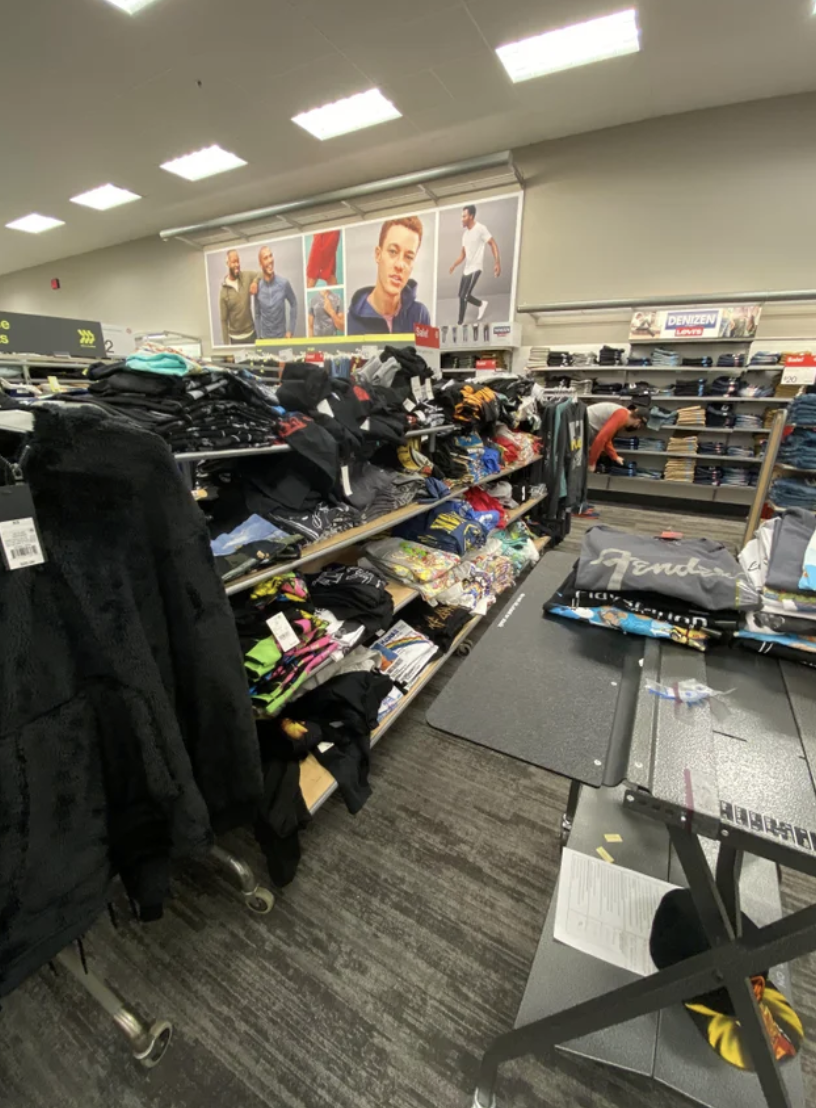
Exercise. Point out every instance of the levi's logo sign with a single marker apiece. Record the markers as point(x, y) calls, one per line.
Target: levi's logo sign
point(675, 320)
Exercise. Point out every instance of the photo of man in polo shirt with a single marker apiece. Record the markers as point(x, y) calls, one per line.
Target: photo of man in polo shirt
point(274, 294)
point(237, 324)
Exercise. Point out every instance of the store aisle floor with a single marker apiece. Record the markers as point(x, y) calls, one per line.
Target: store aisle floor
point(402, 948)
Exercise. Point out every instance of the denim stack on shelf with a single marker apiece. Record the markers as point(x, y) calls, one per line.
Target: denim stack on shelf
point(764, 357)
point(626, 443)
point(660, 418)
point(650, 474)
point(628, 469)
point(738, 475)
point(612, 355)
point(693, 416)
point(664, 357)
point(718, 448)
point(792, 492)
point(632, 360)
point(799, 448)
point(747, 421)
point(731, 361)
point(720, 415)
point(726, 386)
point(734, 450)
point(757, 392)
point(690, 388)
point(802, 411)
point(704, 362)
point(559, 357)
point(647, 443)
point(708, 475)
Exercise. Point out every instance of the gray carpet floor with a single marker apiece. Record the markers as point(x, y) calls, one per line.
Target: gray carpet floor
point(401, 949)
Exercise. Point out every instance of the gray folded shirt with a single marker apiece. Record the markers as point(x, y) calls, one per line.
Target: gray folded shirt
point(697, 571)
point(791, 538)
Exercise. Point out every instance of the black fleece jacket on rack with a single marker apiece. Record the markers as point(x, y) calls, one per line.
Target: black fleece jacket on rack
point(126, 733)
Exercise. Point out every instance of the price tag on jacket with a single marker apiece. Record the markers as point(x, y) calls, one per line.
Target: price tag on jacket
point(325, 407)
point(281, 628)
point(365, 425)
point(416, 388)
point(428, 389)
point(19, 538)
point(345, 480)
point(408, 404)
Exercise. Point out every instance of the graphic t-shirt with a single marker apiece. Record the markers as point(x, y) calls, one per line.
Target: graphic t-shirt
point(474, 241)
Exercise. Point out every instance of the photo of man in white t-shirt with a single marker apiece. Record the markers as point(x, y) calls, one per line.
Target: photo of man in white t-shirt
point(475, 238)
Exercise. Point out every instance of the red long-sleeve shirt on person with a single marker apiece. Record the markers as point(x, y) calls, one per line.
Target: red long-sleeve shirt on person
point(602, 443)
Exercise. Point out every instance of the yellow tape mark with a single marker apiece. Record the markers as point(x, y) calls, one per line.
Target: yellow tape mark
point(604, 853)
point(613, 838)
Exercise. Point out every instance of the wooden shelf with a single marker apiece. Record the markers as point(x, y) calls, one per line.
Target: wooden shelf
point(317, 784)
point(517, 513)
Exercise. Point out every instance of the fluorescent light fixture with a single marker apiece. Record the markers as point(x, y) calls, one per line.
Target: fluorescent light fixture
point(131, 6)
point(35, 224)
point(203, 163)
point(365, 109)
point(104, 197)
point(611, 36)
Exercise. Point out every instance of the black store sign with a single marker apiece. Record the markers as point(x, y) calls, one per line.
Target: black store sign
point(44, 334)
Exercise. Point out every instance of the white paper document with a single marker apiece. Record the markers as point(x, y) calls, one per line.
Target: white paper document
point(607, 911)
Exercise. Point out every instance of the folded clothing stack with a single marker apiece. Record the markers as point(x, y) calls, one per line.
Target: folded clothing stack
point(679, 469)
point(735, 450)
point(720, 415)
point(660, 418)
point(482, 501)
point(755, 391)
point(455, 527)
point(353, 592)
point(696, 387)
point(764, 357)
point(626, 443)
point(747, 421)
point(441, 624)
point(405, 653)
point(740, 476)
point(617, 469)
point(254, 543)
point(611, 355)
point(584, 359)
point(517, 545)
point(635, 361)
point(427, 570)
point(687, 591)
point(648, 443)
point(718, 448)
point(731, 361)
point(802, 412)
point(682, 444)
point(708, 475)
point(661, 356)
point(649, 474)
point(539, 357)
point(704, 362)
point(790, 492)
point(726, 386)
point(559, 357)
point(798, 448)
point(781, 561)
point(694, 416)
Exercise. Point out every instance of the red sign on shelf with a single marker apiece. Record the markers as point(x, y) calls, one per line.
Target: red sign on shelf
point(486, 363)
point(689, 332)
point(426, 336)
point(315, 357)
point(800, 361)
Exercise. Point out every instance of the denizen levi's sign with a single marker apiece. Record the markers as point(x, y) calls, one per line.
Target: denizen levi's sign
point(734, 322)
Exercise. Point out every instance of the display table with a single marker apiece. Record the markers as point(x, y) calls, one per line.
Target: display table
point(712, 796)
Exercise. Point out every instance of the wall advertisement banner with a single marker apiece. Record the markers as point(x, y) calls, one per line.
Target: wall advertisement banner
point(719, 324)
point(369, 282)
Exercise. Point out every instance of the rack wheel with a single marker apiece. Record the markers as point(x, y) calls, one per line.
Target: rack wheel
point(260, 900)
point(566, 829)
point(478, 1104)
point(154, 1047)
point(464, 649)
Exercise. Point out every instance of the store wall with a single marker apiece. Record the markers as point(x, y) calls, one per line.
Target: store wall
point(710, 202)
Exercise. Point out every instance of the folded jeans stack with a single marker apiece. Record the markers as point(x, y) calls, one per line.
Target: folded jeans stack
point(731, 361)
point(802, 412)
point(660, 418)
point(693, 416)
point(720, 415)
point(664, 357)
point(704, 362)
point(611, 355)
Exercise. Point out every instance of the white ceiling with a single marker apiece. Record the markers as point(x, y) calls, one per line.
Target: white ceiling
point(92, 95)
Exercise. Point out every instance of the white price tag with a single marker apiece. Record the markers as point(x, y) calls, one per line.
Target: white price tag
point(344, 480)
point(428, 387)
point(416, 387)
point(408, 404)
point(365, 425)
point(325, 407)
point(324, 747)
point(281, 628)
point(21, 545)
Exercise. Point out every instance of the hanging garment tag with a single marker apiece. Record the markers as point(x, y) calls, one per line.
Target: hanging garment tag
point(428, 389)
point(365, 425)
point(19, 538)
point(345, 481)
point(281, 628)
point(325, 407)
point(416, 387)
point(408, 404)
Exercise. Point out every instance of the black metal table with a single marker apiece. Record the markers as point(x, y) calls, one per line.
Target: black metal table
point(724, 783)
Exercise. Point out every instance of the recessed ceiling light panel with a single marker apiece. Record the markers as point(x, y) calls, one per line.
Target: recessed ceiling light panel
point(365, 109)
point(203, 163)
point(611, 36)
point(104, 197)
point(131, 6)
point(35, 224)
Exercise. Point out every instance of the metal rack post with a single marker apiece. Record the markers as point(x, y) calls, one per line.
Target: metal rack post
point(149, 1039)
point(765, 475)
point(257, 897)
